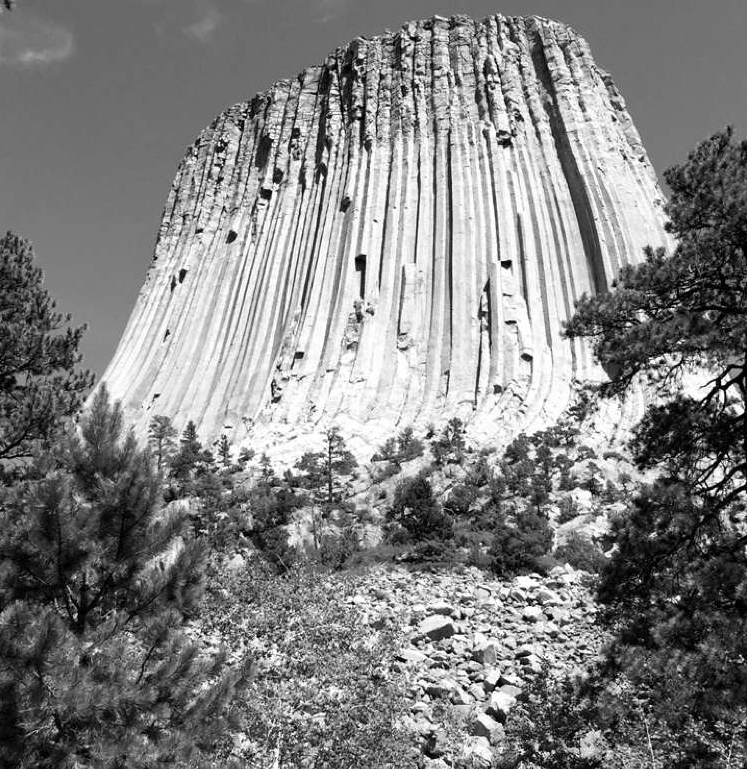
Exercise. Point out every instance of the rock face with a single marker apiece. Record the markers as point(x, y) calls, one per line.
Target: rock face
point(393, 238)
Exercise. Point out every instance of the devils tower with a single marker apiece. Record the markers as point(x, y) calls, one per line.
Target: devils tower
point(393, 237)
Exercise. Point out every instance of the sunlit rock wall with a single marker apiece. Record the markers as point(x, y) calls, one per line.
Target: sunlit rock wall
point(393, 238)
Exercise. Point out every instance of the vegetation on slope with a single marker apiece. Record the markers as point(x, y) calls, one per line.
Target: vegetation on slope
point(109, 656)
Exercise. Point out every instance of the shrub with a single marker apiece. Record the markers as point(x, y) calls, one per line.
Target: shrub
point(450, 444)
point(417, 511)
point(461, 499)
point(547, 725)
point(581, 553)
point(519, 547)
point(568, 509)
point(326, 695)
point(336, 550)
point(478, 474)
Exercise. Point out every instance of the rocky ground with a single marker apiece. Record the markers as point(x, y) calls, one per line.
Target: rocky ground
point(473, 642)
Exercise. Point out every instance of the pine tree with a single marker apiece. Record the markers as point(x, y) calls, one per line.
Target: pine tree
point(324, 475)
point(325, 472)
point(161, 437)
point(415, 508)
point(39, 386)
point(189, 454)
point(676, 586)
point(520, 546)
point(95, 583)
point(224, 452)
point(451, 444)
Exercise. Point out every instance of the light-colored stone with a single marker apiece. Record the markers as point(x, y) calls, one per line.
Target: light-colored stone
point(411, 656)
point(392, 237)
point(500, 704)
point(486, 726)
point(436, 627)
point(477, 753)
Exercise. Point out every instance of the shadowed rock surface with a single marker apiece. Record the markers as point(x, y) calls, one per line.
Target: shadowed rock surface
point(393, 237)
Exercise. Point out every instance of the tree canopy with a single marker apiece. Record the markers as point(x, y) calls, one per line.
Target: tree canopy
point(676, 587)
point(40, 385)
point(96, 579)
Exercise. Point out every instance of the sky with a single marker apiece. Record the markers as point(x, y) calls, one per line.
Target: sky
point(100, 98)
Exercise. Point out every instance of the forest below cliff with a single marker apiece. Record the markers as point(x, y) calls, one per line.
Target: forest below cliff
point(548, 603)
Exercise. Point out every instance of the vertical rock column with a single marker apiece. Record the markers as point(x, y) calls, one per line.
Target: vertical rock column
point(393, 237)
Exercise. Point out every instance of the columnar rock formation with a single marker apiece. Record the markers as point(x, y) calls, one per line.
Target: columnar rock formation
point(393, 237)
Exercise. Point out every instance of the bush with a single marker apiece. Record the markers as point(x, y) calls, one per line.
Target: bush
point(336, 550)
point(450, 444)
point(518, 548)
point(546, 727)
point(325, 695)
point(568, 508)
point(581, 553)
point(461, 499)
point(417, 511)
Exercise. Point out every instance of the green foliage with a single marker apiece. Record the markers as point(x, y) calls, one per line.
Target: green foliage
point(451, 444)
point(581, 553)
point(677, 582)
point(417, 511)
point(39, 385)
point(95, 582)
point(327, 696)
point(520, 547)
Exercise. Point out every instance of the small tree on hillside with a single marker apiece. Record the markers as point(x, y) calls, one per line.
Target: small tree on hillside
point(161, 436)
point(95, 582)
point(325, 472)
point(39, 385)
point(450, 444)
point(415, 509)
point(325, 475)
point(190, 453)
point(224, 452)
point(520, 546)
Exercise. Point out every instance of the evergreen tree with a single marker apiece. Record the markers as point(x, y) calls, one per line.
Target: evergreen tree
point(324, 472)
point(95, 582)
point(520, 546)
point(415, 508)
point(677, 584)
point(161, 436)
point(184, 462)
point(224, 452)
point(450, 444)
point(39, 386)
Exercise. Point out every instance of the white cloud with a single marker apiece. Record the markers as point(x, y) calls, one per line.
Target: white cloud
point(206, 26)
point(331, 9)
point(28, 41)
